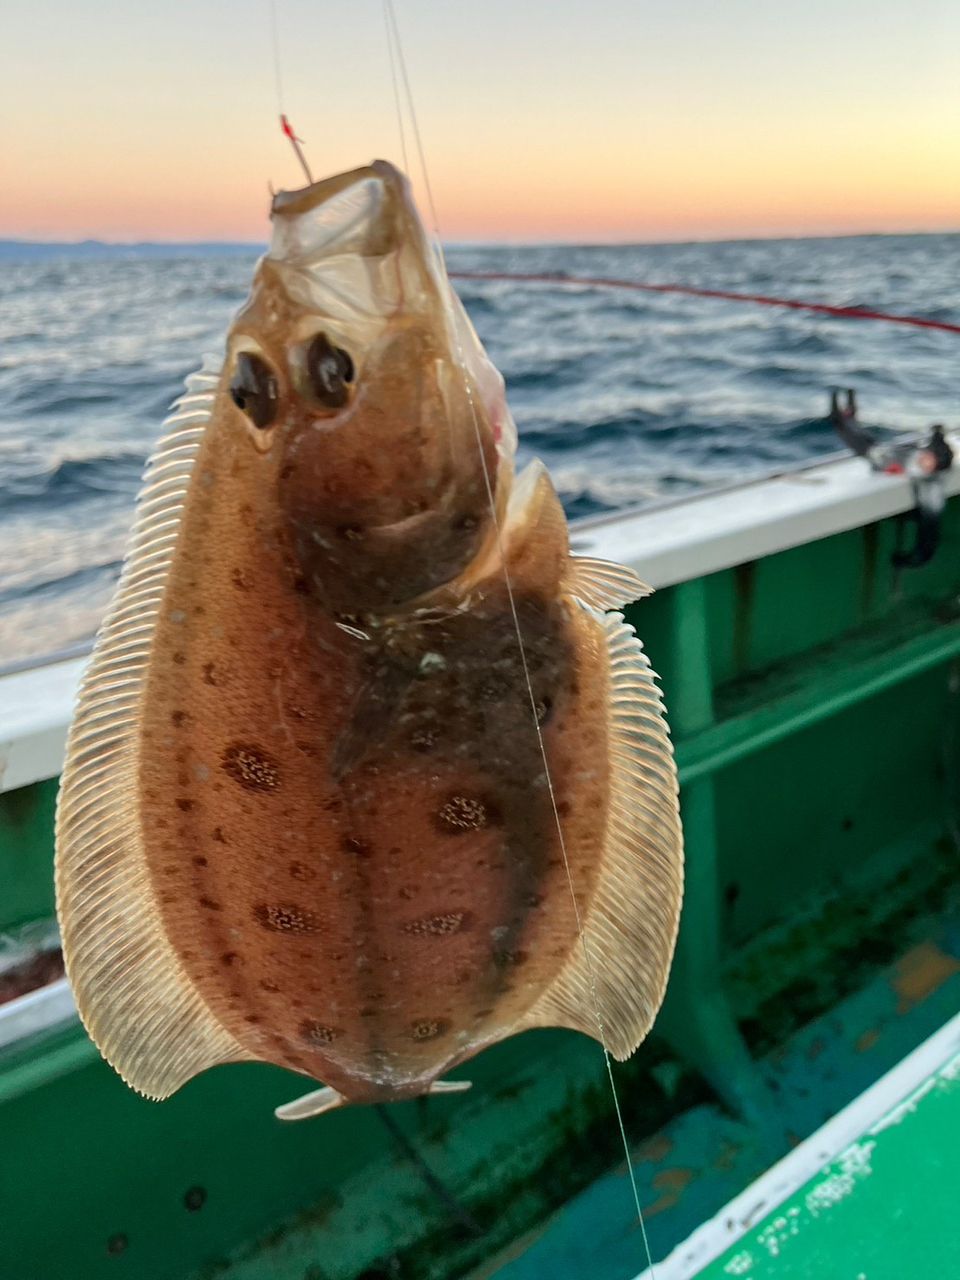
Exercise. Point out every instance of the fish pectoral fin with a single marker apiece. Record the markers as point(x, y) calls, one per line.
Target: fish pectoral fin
point(615, 976)
point(327, 1099)
point(603, 585)
point(311, 1104)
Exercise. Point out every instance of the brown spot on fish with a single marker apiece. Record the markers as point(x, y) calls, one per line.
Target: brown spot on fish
point(219, 836)
point(179, 719)
point(267, 984)
point(438, 926)
point(184, 804)
point(240, 580)
point(429, 1028)
point(318, 1032)
point(350, 844)
point(209, 904)
point(230, 958)
point(463, 813)
point(210, 674)
point(286, 918)
point(509, 959)
point(251, 766)
point(300, 871)
point(199, 860)
point(407, 891)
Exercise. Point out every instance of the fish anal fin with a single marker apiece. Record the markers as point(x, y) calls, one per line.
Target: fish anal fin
point(134, 997)
point(616, 975)
point(602, 584)
point(327, 1099)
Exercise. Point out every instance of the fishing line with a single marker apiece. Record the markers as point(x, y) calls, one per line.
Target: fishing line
point(456, 1210)
point(397, 103)
point(275, 42)
point(588, 955)
point(724, 295)
point(397, 47)
point(285, 125)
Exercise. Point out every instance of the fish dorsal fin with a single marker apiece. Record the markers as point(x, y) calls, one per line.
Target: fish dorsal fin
point(619, 970)
point(604, 585)
point(138, 1005)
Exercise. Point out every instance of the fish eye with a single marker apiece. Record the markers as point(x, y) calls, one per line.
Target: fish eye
point(330, 370)
point(254, 390)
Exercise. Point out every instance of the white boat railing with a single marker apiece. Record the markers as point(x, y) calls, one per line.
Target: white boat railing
point(665, 544)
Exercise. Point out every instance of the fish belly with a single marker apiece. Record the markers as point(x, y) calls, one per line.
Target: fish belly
point(353, 842)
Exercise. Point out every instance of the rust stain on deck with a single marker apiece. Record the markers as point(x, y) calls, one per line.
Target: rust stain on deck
point(921, 972)
point(655, 1150)
point(866, 1041)
point(673, 1183)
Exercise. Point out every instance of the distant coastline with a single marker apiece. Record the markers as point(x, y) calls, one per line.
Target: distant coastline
point(33, 250)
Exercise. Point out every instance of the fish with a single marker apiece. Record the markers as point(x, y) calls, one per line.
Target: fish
point(367, 771)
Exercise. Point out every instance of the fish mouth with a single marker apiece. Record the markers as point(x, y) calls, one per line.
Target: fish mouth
point(367, 211)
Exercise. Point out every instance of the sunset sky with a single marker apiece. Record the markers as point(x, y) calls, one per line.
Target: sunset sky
point(542, 119)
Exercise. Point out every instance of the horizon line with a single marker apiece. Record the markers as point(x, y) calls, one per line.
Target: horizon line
point(483, 243)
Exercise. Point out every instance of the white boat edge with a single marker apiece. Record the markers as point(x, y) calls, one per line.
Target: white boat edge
point(665, 544)
point(40, 1010)
point(884, 1103)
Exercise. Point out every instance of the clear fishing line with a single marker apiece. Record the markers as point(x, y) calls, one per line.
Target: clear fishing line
point(396, 50)
point(285, 125)
point(275, 44)
point(397, 101)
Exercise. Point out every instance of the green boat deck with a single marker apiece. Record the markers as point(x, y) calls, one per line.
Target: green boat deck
point(881, 1203)
point(814, 703)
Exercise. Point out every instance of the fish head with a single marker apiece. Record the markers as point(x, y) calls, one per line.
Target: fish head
point(377, 421)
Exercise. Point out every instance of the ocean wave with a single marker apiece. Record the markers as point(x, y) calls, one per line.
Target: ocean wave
point(71, 479)
point(60, 585)
point(628, 396)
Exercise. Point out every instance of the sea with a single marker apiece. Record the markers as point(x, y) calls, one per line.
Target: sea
point(630, 398)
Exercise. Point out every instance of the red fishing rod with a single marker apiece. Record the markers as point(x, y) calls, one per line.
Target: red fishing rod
point(607, 282)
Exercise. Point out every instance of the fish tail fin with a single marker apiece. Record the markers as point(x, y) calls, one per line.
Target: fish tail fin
point(312, 1104)
point(327, 1099)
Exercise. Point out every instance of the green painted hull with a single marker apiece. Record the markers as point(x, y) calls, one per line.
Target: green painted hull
point(811, 702)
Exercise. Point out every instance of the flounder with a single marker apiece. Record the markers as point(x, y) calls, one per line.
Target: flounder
point(320, 807)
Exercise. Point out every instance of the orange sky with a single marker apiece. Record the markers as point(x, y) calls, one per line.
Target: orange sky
point(553, 119)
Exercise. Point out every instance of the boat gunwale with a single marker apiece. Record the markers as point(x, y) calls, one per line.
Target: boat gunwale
point(666, 544)
point(865, 1115)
